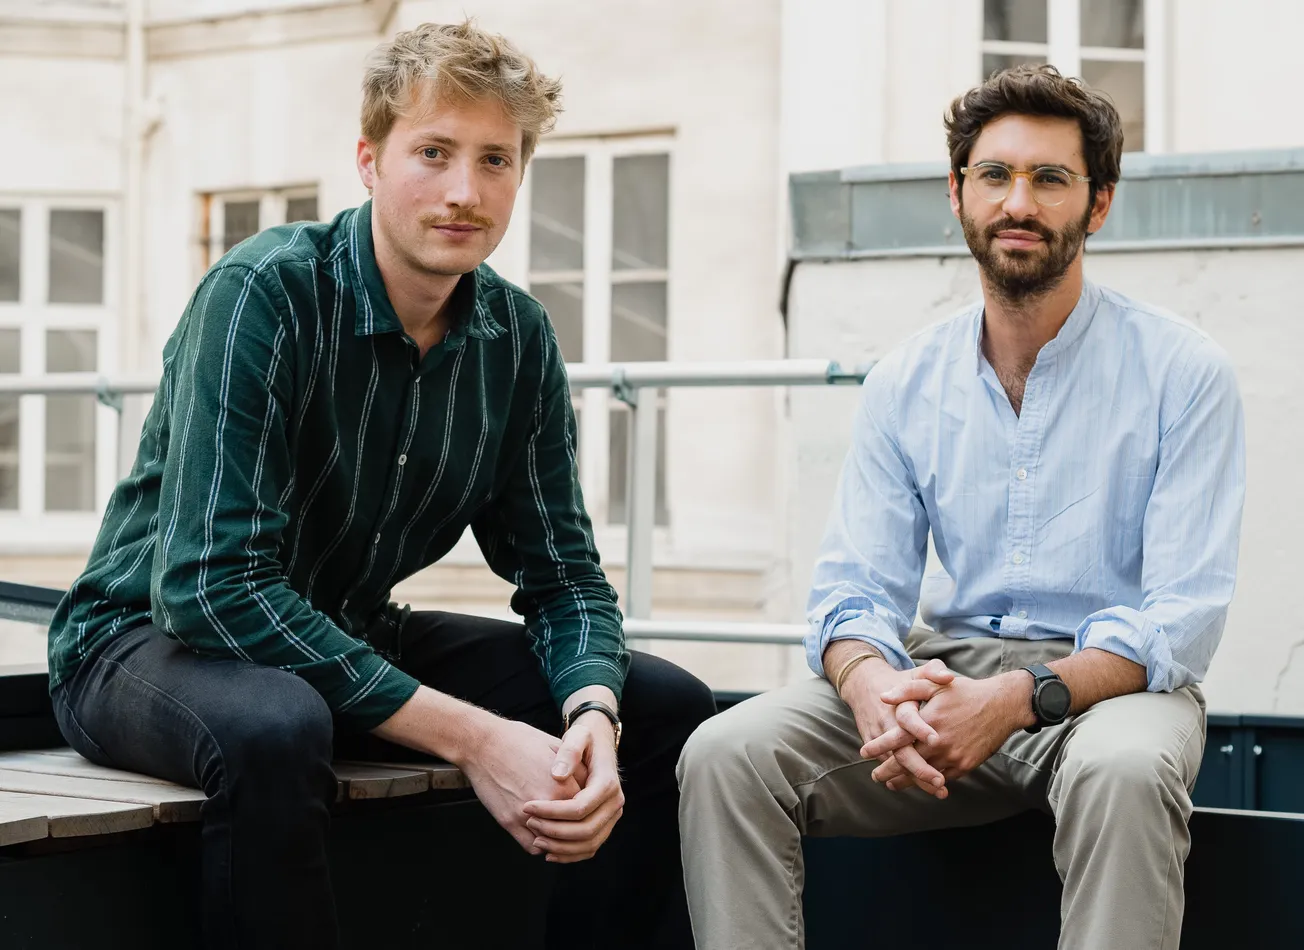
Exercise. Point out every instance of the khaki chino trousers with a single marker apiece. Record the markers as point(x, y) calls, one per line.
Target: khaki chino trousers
point(1117, 780)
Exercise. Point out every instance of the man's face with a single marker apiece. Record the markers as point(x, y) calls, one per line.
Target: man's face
point(444, 184)
point(1025, 248)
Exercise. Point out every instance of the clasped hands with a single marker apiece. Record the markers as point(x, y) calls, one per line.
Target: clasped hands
point(556, 797)
point(929, 726)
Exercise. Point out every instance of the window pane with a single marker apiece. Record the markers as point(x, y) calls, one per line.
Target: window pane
point(618, 465)
point(239, 221)
point(557, 214)
point(70, 425)
point(565, 306)
point(303, 208)
point(1116, 23)
point(1019, 21)
point(640, 218)
point(76, 256)
point(1125, 84)
point(11, 220)
point(995, 62)
point(70, 351)
point(9, 424)
point(10, 355)
point(638, 321)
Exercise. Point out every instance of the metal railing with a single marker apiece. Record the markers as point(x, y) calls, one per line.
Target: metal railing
point(636, 385)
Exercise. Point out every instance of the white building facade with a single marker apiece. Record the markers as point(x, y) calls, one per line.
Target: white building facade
point(147, 136)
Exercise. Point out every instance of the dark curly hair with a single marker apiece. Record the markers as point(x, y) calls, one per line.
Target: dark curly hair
point(1040, 90)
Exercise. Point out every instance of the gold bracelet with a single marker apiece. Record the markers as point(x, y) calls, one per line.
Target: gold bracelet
point(858, 658)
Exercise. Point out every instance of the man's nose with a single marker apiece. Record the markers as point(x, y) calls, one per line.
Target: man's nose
point(1020, 203)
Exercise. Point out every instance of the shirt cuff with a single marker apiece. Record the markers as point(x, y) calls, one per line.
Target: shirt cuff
point(589, 671)
point(382, 691)
point(857, 625)
point(1130, 634)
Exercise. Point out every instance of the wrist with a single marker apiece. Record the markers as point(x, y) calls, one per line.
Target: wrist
point(1015, 690)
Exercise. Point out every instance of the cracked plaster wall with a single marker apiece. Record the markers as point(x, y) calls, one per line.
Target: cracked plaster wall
point(1247, 300)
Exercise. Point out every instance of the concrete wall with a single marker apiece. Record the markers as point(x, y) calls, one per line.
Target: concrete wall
point(1246, 300)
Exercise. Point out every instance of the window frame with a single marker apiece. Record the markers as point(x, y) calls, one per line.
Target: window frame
point(1063, 49)
point(598, 278)
point(272, 203)
point(31, 525)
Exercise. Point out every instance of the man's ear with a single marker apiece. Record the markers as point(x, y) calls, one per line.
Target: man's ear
point(1100, 210)
point(368, 160)
point(953, 186)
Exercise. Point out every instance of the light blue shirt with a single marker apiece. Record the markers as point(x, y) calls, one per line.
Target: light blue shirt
point(1108, 511)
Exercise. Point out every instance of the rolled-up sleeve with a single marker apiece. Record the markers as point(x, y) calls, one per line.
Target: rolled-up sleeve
point(871, 561)
point(1190, 535)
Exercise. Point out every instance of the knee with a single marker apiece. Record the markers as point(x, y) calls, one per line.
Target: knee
point(657, 691)
point(723, 748)
point(280, 737)
point(1126, 771)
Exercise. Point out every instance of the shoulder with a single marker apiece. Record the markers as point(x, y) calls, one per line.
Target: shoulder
point(926, 355)
point(1166, 343)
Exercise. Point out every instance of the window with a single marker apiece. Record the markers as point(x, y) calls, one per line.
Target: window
point(228, 218)
point(599, 260)
point(57, 315)
point(1103, 41)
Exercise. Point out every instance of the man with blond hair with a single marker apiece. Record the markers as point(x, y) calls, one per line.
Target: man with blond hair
point(339, 402)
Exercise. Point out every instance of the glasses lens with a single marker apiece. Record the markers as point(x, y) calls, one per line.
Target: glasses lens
point(1051, 185)
point(992, 181)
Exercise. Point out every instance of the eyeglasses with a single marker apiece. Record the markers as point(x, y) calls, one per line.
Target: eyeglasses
point(1050, 184)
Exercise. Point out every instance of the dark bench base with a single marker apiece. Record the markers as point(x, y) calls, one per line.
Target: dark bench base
point(996, 887)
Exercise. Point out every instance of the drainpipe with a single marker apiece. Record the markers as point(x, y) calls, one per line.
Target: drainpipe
point(132, 323)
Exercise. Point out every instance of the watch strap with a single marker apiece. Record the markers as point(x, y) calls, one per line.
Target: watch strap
point(594, 705)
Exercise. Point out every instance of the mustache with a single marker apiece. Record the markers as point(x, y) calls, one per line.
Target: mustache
point(1009, 224)
point(465, 217)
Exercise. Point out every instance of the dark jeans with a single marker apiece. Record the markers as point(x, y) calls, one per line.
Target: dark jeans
point(259, 742)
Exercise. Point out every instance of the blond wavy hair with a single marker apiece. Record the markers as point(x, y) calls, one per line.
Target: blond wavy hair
point(456, 62)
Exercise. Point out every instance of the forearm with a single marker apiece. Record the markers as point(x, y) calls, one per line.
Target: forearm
point(439, 725)
point(1092, 676)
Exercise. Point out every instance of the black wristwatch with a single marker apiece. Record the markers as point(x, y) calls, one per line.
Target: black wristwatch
point(1051, 699)
point(594, 706)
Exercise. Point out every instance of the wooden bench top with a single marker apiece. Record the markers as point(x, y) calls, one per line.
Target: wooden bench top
point(55, 793)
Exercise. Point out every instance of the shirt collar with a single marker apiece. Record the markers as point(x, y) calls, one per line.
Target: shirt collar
point(471, 315)
point(1079, 319)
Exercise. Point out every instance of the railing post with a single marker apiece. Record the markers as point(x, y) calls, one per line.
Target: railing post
point(640, 501)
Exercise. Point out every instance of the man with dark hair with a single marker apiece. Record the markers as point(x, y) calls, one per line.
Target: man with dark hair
point(1079, 459)
point(340, 402)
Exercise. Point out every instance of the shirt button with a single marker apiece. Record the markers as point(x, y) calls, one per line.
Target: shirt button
point(402, 460)
point(344, 604)
point(1018, 557)
point(1021, 474)
point(1023, 615)
point(378, 539)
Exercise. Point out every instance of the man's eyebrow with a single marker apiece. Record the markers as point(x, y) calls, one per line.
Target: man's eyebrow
point(437, 139)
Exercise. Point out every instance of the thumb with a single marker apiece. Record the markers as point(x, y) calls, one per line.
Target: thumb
point(936, 671)
point(570, 755)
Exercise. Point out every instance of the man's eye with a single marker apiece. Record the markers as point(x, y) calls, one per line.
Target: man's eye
point(430, 152)
point(993, 174)
point(1052, 178)
point(498, 161)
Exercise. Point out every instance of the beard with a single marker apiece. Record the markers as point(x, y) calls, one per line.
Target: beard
point(1019, 275)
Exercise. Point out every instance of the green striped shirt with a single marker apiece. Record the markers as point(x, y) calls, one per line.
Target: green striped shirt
point(301, 457)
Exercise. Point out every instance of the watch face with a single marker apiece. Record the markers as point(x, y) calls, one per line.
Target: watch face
point(1053, 700)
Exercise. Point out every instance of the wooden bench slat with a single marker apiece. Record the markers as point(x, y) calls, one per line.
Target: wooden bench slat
point(359, 781)
point(81, 817)
point(169, 802)
point(20, 821)
point(443, 775)
point(73, 765)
